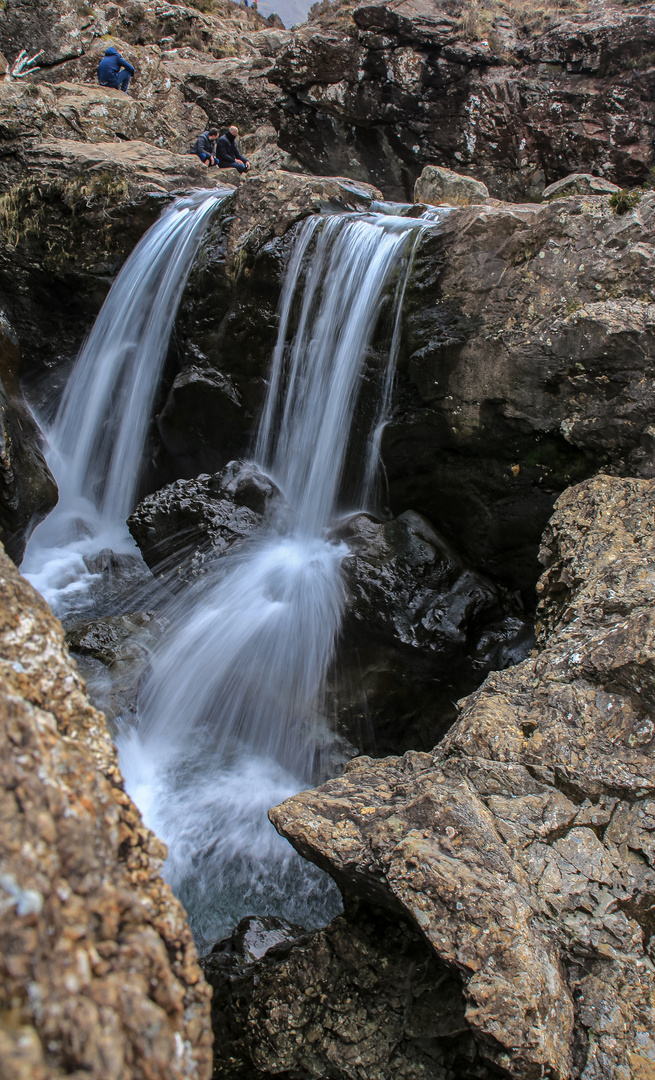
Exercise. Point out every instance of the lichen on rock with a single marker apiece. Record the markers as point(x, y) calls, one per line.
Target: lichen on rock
point(99, 970)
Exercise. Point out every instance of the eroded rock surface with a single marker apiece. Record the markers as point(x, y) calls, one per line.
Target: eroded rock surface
point(407, 83)
point(521, 848)
point(99, 970)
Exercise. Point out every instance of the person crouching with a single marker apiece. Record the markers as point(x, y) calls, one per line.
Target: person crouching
point(205, 147)
point(114, 71)
point(228, 154)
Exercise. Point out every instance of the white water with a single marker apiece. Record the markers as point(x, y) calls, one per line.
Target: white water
point(232, 718)
point(96, 444)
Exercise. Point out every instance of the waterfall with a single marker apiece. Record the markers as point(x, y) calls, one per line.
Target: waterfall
point(96, 443)
point(231, 718)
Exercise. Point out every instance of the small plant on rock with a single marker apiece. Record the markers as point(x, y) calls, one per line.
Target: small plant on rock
point(625, 200)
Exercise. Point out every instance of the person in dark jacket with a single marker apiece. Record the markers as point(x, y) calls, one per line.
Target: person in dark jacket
point(114, 71)
point(228, 153)
point(205, 147)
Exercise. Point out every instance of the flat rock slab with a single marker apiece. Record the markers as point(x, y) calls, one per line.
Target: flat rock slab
point(137, 161)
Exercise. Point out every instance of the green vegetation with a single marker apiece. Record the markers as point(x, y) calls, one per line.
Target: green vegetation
point(625, 200)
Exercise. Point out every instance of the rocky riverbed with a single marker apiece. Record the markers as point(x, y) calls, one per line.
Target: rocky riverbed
point(497, 869)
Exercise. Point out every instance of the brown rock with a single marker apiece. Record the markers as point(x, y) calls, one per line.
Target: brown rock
point(522, 847)
point(99, 970)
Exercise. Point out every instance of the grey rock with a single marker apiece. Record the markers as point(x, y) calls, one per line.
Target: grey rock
point(579, 184)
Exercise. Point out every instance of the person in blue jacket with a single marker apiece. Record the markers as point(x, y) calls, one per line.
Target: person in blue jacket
point(114, 71)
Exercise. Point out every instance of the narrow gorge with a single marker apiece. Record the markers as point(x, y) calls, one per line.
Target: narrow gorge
point(327, 494)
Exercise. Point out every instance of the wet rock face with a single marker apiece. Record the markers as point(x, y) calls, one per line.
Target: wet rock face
point(65, 239)
point(184, 527)
point(405, 86)
point(27, 489)
point(324, 1005)
point(420, 630)
point(521, 848)
point(227, 326)
point(527, 365)
point(112, 654)
point(99, 971)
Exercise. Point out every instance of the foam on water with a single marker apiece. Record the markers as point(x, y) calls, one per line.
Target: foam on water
point(231, 718)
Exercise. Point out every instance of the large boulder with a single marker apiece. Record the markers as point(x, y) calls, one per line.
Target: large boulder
point(521, 848)
point(421, 629)
point(579, 184)
point(99, 969)
point(443, 187)
point(366, 996)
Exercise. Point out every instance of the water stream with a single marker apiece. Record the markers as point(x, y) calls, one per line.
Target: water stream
point(231, 716)
point(231, 719)
point(96, 443)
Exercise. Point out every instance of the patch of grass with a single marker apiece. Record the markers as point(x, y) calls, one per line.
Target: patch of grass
point(478, 18)
point(625, 200)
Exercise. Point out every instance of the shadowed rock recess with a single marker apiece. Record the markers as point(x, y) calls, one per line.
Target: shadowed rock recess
point(99, 971)
point(499, 890)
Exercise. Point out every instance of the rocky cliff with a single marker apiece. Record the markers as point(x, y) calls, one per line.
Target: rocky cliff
point(398, 85)
point(99, 970)
point(499, 889)
point(514, 863)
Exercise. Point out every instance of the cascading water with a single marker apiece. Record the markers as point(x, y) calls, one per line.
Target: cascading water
point(231, 718)
point(95, 446)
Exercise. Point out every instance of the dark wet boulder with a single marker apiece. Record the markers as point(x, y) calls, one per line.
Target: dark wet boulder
point(363, 997)
point(185, 526)
point(421, 630)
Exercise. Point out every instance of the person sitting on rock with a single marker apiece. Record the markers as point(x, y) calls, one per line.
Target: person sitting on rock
point(205, 147)
point(114, 71)
point(228, 153)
